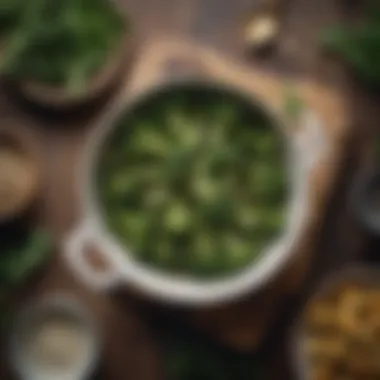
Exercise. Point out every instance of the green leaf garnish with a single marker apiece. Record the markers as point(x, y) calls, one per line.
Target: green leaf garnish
point(293, 104)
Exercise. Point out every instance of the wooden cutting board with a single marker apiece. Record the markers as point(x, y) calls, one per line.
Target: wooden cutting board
point(244, 324)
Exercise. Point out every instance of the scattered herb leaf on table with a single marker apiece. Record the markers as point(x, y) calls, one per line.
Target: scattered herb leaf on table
point(191, 360)
point(293, 104)
point(21, 253)
point(189, 355)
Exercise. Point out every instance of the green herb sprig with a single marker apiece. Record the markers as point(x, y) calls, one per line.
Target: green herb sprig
point(20, 255)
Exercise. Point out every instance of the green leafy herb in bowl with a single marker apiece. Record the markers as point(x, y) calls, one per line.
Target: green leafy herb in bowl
point(73, 47)
point(194, 182)
point(359, 46)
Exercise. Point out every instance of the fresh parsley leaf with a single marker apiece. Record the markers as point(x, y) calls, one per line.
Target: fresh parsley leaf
point(18, 262)
point(293, 104)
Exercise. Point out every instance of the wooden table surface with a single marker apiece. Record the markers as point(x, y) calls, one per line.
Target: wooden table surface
point(128, 343)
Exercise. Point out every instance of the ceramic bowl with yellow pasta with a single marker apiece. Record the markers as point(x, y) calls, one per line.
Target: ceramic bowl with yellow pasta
point(338, 336)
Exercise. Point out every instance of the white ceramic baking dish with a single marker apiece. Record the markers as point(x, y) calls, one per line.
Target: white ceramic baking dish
point(303, 151)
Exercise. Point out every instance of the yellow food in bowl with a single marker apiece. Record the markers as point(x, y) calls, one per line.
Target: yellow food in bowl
point(342, 334)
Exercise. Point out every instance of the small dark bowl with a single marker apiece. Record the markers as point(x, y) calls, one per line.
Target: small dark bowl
point(366, 201)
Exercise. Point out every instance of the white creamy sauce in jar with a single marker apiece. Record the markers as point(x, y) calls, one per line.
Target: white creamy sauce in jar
point(57, 344)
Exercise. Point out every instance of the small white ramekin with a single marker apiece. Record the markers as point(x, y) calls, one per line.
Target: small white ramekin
point(54, 303)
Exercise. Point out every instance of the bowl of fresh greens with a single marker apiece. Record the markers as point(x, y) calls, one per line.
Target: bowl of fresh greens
point(65, 52)
point(194, 194)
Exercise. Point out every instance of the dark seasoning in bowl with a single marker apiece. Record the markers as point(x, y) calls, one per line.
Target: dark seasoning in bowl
point(193, 181)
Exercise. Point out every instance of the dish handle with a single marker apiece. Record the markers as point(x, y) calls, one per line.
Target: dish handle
point(75, 253)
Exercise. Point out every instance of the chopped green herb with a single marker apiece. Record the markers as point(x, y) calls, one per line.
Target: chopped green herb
point(21, 254)
point(213, 194)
